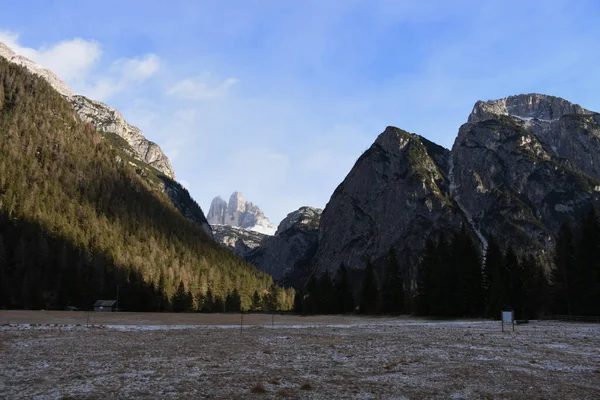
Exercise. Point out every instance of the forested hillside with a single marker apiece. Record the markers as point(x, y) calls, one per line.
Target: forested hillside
point(76, 220)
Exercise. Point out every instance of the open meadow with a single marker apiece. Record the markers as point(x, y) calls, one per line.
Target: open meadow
point(53, 355)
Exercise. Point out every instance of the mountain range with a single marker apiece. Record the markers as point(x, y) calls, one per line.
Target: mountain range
point(519, 168)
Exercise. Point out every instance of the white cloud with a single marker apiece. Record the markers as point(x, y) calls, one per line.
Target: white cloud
point(136, 69)
point(200, 88)
point(76, 61)
point(71, 60)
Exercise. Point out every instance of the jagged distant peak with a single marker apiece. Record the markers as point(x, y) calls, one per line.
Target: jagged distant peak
point(526, 107)
point(239, 213)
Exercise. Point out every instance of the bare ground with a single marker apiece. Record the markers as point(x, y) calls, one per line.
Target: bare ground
point(126, 355)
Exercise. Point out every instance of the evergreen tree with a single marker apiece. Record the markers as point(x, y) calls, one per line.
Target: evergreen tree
point(585, 296)
point(271, 299)
point(392, 301)
point(257, 304)
point(311, 301)
point(424, 294)
point(514, 283)
point(325, 294)
point(467, 297)
point(563, 268)
point(299, 302)
point(233, 303)
point(369, 295)
point(343, 291)
point(495, 280)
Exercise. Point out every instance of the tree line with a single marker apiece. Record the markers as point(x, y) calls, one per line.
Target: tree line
point(452, 280)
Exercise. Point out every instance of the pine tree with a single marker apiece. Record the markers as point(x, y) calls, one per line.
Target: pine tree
point(343, 291)
point(369, 295)
point(271, 299)
point(325, 294)
point(495, 280)
point(257, 304)
point(424, 279)
point(584, 281)
point(392, 301)
point(298, 302)
point(467, 296)
point(563, 268)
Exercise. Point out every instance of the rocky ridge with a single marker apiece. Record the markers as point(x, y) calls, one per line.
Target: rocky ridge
point(518, 168)
point(103, 117)
point(239, 213)
point(288, 253)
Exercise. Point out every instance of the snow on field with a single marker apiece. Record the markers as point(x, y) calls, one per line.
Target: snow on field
point(311, 357)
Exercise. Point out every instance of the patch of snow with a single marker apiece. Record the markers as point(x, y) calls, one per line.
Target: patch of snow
point(266, 229)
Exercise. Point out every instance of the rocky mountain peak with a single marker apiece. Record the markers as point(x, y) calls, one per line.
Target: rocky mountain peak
point(527, 107)
point(237, 204)
point(239, 213)
point(303, 218)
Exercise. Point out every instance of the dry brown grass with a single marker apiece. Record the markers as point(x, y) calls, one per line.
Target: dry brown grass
point(258, 388)
point(285, 392)
point(381, 358)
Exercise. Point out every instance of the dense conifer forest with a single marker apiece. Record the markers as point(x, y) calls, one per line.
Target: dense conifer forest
point(77, 223)
point(453, 281)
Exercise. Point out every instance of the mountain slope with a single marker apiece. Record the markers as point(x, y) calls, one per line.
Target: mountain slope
point(286, 254)
point(77, 218)
point(519, 167)
point(395, 196)
point(525, 164)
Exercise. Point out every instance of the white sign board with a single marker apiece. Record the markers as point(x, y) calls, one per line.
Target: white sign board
point(508, 317)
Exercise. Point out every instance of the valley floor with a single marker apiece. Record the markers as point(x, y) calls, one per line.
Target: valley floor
point(48, 355)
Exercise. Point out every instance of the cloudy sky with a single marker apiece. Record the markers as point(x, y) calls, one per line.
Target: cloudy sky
point(278, 98)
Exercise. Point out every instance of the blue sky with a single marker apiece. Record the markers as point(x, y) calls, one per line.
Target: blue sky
point(277, 99)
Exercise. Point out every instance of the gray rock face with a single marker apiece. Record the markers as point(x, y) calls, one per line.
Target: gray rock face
point(239, 213)
point(526, 107)
point(394, 197)
point(292, 247)
point(103, 117)
point(218, 210)
point(107, 119)
point(239, 240)
point(520, 179)
point(519, 168)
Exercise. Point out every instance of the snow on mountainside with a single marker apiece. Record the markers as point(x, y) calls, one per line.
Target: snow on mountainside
point(239, 213)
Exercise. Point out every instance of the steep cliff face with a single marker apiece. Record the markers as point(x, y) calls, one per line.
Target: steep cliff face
point(290, 251)
point(107, 119)
point(520, 167)
point(525, 164)
point(526, 107)
point(395, 196)
point(239, 213)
